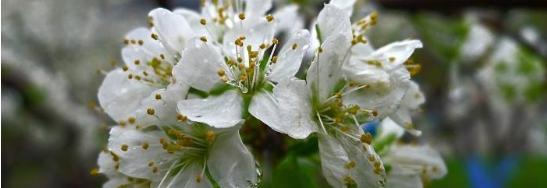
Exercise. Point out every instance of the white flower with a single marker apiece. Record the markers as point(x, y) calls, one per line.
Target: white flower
point(299, 108)
point(237, 74)
point(410, 164)
point(182, 156)
point(108, 165)
point(144, 87)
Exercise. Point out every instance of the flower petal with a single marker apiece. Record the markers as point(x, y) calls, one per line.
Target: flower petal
point(288, 20)
point(336, 155)
point(346, 5)
point(257, 8)
point(187, 177)
point(326, 72)
point(396, 53)
point(221, 111)
point(120, 96)
point(137, 149)
point(290, 57)
point(240, 171)
point(163, 102)
point(172, 29)
point(199, 65)
point(333, 20)
point(413, 97)
point(255, 32)
point(264, 107)
point(422, 159)
point(402, 178)
point(295, 107)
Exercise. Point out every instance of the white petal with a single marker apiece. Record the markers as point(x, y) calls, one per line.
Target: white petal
point(400, 51)
point(220, 111)
point(143, 52)
point(401, 178)
point(230, 162)
point(107, 164)
point(289, 59)
point(194, 18)
point(364, 73)
point(413, 97)
point(134, 159)
point(120, 96)
point(295, 108)
point(346, 5)
point(389, 127)
point(257, 8)
point(172, 29)
point(165, 109)
point(188, 178)
point(324, 74)
point(336, 153)
point(384, 102)
point(287, 20)
point(265, 108)
point(420, 159)
point(199, 65)
point(333, 20)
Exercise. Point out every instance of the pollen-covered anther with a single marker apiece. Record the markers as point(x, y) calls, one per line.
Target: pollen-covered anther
point(294, 46)
point(124, 147)
point(274, 59)
point(151, 163)
point(275, 41)
point(150, 111)
point(349, 181)
point(350, 165)
point(210, 136)
point(145, 145)
point(137, 62)
point(221, 72)
point(374, 113)
point(131, 120)
point(126, 41)
point(263, 46)
point(154, 36)
point(158, 96)
point(155, 169)
point(241, 16)
point(269, 18)
point(125, 68)
point(181, 118)
point(141, 42)
point(122, 123)
point(203, 38)
point(391, 59)
point(130, 76)
point(366, 138)
point(198, 178)
point(203, 21)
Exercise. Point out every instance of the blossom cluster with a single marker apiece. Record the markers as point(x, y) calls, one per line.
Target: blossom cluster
point(191, 80)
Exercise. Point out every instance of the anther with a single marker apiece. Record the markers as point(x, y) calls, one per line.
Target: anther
point(124, 147)
point(366, 138)
point(294, 46)
point(203, 38)
point(203, 21)
point(269, 18)
point(126, 41)
point(131, 120)
point(274, 59)
point(221, 72)
point(181, 118)
point(141, 42)
point(241, 16)
point(350, 165)
point(275, 41)
point(145, 146)
point(137, 62)
point(150, 111)
point(198, 178)
point(94, 172)
point(391, 59)
point(158, 97)
point(154, 36)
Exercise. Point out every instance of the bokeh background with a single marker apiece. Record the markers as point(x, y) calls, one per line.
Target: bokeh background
point(483, 73)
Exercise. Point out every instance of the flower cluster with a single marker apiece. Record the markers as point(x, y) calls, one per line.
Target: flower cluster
point(191, 80)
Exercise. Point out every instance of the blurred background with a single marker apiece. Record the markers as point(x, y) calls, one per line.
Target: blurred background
point(482, 71)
